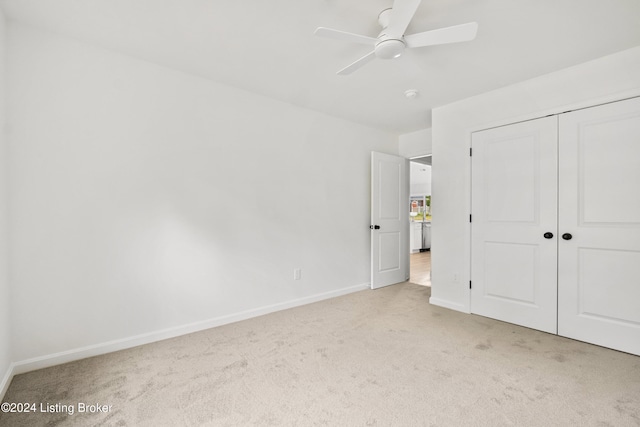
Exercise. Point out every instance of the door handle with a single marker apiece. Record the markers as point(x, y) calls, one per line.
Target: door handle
point(374, 227)
point(567, 236)
point(548, 235)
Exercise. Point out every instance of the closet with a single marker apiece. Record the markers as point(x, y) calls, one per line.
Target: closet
point(555, 225)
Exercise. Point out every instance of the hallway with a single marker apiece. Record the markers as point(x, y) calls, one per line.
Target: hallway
point(420, 265)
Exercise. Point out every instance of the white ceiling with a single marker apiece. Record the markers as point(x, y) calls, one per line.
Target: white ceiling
point(268, 47)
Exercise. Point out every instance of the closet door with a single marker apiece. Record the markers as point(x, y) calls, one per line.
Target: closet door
point(513, 231)
point(599, 267)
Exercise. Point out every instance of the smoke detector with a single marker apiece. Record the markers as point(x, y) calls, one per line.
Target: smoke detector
point(411, 93)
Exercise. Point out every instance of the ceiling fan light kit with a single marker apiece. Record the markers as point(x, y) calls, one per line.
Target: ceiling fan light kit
point(391, 42)
point(389, 49)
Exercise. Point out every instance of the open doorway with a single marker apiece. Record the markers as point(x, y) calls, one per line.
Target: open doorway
point(420, 217)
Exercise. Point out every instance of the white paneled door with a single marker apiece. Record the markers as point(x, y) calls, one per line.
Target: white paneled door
point(599, 264)
point(556, 224)
point(514, 221)
point(389, 219)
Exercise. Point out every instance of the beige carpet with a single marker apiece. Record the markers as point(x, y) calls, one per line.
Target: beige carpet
point(373, 358)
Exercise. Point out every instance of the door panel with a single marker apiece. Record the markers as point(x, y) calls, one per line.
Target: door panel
point(599, 273)
point(390, 212)
point(514, 202)
point(389, 250)
point(513, 282)
point(595, 298)
point(608, 150)
point(511, 167)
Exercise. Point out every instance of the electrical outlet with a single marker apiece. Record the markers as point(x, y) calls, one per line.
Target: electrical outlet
point(456, 277)
point(297, 273)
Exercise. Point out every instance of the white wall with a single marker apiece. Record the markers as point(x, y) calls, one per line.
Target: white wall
point(147, 202)
point(415, 144)
point(606, 79)
point(5, 308)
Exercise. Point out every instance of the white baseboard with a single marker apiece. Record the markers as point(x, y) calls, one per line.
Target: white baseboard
point(448, 304)
point(6, 380)
point(121, 344)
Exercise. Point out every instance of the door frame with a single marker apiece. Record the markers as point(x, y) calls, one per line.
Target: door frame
point(430, 164)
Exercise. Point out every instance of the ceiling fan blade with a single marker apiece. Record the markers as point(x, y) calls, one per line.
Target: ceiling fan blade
point(401, 15)
point(330, 33)
point(454, 34)
point(359, 63)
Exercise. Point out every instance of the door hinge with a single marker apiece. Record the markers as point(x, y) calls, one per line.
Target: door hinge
point(470, 151)
point(469, 217)
point(469, 284)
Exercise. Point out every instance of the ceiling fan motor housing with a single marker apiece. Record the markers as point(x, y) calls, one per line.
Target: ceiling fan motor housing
point(387, 47)
point(383, 17)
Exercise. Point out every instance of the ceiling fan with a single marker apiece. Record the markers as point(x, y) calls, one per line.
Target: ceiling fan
point(391, 42)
